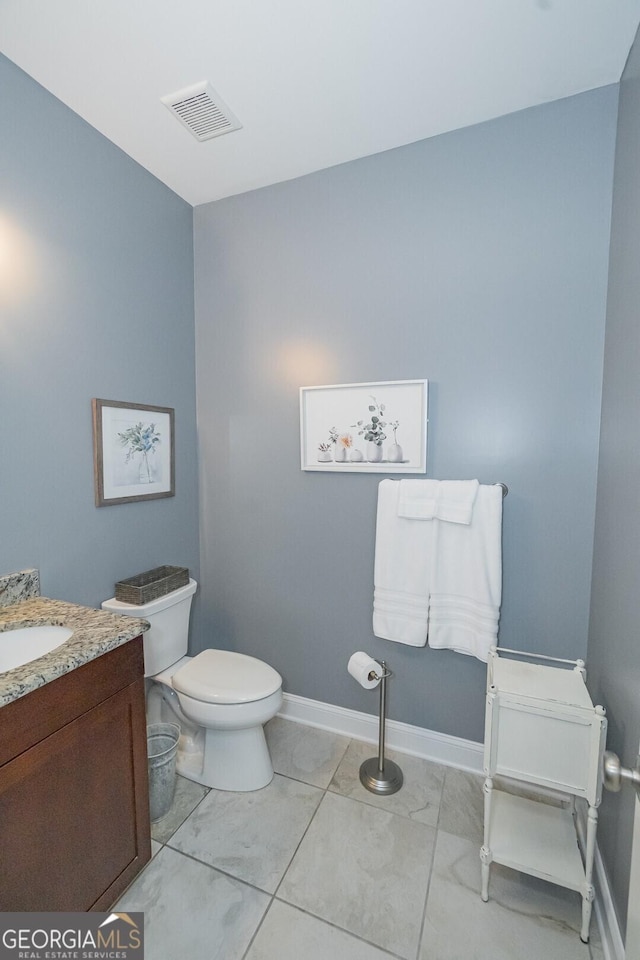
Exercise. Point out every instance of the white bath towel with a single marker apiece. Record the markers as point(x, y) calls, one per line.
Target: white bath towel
point(461, 628)
point(402, 571)
point(465, 590)
point(439, 578)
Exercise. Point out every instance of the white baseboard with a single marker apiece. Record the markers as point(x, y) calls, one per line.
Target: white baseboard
point(416, 741)
point(606, 916)
point(605, 911)
point(453, 752)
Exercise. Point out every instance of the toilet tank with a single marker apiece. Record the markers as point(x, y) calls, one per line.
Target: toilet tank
point(167, 639)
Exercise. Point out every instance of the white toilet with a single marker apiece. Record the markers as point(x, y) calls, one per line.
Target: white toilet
point(221, 698)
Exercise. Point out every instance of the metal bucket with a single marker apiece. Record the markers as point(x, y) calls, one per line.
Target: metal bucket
point(162, 746)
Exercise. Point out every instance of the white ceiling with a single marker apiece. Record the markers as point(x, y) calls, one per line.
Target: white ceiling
point(314, 83)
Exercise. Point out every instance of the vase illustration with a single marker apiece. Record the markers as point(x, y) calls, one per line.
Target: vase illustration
point(394, 453)
point(374, 452)
point(340, 454)
point(324, 456)
point(356, 456)
point(145, 475)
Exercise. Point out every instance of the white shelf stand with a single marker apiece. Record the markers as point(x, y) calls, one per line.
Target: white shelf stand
point(541, 729)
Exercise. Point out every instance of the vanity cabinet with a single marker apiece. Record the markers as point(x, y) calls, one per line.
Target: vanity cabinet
point(74, 808)
point(542, 730)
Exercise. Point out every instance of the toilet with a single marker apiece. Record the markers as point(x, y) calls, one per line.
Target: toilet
point(221, 699)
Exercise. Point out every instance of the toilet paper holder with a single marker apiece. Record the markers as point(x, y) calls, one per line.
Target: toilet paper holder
point(378, 775)
point(373, 675)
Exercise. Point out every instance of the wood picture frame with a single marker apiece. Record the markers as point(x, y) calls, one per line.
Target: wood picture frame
point(133, 452)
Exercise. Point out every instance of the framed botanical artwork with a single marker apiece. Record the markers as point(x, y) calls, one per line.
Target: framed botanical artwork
point(365, 427)
point(133, 452)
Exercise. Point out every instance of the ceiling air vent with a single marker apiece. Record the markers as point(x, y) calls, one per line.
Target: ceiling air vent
point(202, 111)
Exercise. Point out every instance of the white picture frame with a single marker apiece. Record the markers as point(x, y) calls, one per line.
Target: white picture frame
point(341, 424)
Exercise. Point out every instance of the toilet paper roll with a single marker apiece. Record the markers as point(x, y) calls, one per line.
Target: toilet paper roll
point(360, 666)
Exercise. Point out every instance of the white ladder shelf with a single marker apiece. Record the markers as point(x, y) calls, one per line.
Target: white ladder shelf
point(541, 729)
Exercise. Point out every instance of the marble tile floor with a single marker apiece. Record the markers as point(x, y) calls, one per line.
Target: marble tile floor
point(314, 867)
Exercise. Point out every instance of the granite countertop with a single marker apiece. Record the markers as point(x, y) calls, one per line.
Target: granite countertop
point(94, 632)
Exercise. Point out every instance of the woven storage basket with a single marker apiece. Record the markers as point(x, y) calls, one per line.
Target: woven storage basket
point(150, 585)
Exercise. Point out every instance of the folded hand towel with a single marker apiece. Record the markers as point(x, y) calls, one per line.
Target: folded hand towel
point(417, 499)
point(450, 500)
point(456, 499)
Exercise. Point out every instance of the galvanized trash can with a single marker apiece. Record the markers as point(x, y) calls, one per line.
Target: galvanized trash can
point(162, 746)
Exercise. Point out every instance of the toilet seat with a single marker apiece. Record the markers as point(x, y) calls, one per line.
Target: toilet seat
point(222, 676)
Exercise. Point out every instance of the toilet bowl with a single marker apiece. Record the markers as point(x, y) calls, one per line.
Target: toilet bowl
point(231, 696)
point(221, 698)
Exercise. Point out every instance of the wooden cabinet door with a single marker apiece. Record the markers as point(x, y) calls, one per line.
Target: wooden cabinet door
point(73, 830)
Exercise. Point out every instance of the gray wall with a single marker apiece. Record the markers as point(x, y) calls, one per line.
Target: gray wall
point(477, 260)
point(614, 649)
point(96, 300)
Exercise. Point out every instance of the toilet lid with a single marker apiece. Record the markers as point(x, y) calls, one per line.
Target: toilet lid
point(221, 676)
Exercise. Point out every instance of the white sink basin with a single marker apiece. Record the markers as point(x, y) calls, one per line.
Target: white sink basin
point(28, 643)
